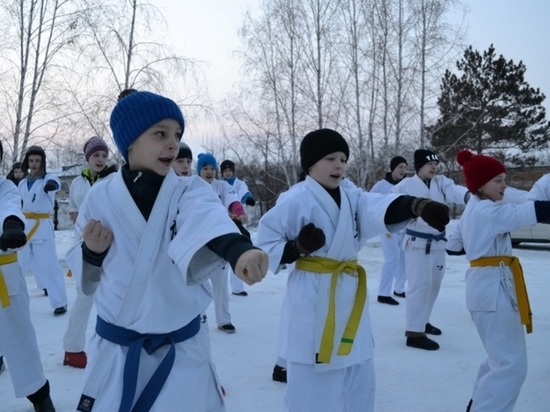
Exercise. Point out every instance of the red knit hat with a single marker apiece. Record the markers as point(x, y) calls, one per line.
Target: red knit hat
point(478, 169)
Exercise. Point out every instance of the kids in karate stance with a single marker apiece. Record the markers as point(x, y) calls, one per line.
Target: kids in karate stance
point(150, 242)
point(392, 275)
point(425, 249)
point(321, 227)
point(227, 167)
point(96, 153)
point(17, 337)
point(38, 191)
point(206, 169)
point(495, 290)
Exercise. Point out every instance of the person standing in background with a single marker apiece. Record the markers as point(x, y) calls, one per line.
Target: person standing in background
point(227, 167)
point(96, 153)
point(392, 275)
point(38, 191)
point(425, 248)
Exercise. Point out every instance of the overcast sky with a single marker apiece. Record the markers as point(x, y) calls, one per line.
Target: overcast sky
point(207, 30)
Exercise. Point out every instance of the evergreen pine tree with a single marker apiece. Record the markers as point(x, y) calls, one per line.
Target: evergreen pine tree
point(490, 108)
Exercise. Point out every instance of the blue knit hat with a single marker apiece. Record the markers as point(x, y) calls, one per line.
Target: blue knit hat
point(206, 159)
point(138, 111)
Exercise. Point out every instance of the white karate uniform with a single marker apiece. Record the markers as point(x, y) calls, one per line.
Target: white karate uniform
point(176, 291)
point(425, 272)
point(74, 339)
point(360, 216)
point(220, 282)
point(392, 275)
point(17, 337)
point(40, 254)
point(483, 231)
point(540, 190)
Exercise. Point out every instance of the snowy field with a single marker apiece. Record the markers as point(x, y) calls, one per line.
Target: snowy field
point(407, 379)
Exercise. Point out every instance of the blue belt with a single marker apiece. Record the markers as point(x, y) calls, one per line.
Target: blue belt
point(429, 237)
point(150, 342)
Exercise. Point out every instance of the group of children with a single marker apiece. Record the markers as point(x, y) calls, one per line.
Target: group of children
point(149, 242)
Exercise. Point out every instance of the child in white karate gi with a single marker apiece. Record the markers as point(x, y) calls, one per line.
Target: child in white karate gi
point(425, 249)
point(96, 153)
point(321, 227)
point(206, 169)
point(392, 275)
point(150, 242)
point(18, 343)
point(38, 191)
point(227, 168)
point(495, 290)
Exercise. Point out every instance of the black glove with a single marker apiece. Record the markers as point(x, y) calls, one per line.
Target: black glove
point(250, 201)
point(310, 239)
point(50, 185)
point(13, 236)
point(434, 213)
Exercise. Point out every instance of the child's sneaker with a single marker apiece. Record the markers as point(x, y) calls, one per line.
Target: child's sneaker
point(75, 359)
point(229, 328)
point(44, 406)
point(60, 311)
point(279, 374)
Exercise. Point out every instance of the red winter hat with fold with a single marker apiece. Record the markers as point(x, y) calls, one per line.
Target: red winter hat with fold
point(478, 169)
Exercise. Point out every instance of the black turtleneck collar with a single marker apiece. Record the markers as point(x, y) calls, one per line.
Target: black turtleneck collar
point(390, 180)
point(335, 194)
point(144, 188)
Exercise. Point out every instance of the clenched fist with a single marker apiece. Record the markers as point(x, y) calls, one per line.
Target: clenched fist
point(97, 237)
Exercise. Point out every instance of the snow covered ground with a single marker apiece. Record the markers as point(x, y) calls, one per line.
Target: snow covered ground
point(407, 380)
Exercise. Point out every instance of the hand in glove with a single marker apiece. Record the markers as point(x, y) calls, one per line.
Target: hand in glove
point(50, 185)
point(434, 213)
point(13, 236)
point(310, 239)
point(250, 201)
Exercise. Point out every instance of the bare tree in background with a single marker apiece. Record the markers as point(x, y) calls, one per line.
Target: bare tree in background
point(36, 34)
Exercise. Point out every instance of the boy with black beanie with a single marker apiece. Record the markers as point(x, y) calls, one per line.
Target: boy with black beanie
point(325, 321)
point(424, 248)
point(38, 191)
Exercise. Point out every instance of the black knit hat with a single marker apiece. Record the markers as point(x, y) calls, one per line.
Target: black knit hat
point(423, 156)
point(227, 164)
point(184, 152)
point(319, 143)
point(34, 150)
point(396, 161)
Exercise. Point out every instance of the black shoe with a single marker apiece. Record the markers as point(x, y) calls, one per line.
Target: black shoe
point(60, 311)
point(399, 295)
point(45, 406)
point(243, 293)
point(387, 299)
point(422, 343)
point(229, 328)
point(279, 374)
point(203, 319)
point(45, 292)
point(432, 330)
point(2, 366)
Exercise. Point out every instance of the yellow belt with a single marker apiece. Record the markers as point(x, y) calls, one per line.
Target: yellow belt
point(37, 216)
point(521, 291)
point(335, 267)
point(4, 294)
